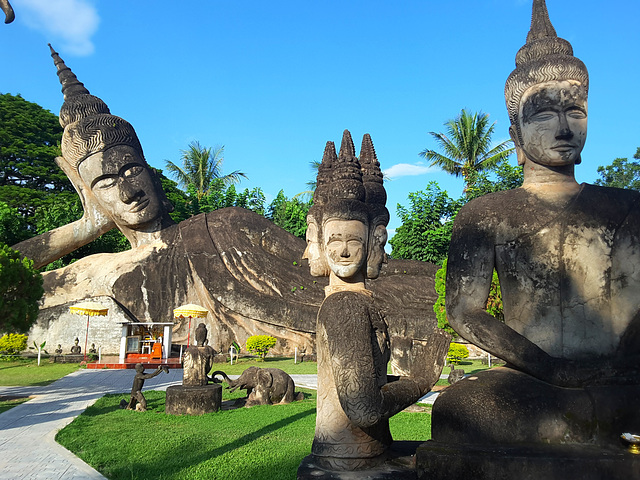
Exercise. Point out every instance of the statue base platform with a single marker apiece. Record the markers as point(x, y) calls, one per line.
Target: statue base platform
point(187, 400)
point(553, 462)
point(400, 465)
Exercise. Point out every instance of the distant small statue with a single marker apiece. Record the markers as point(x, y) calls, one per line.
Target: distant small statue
point(455, 375)
point(59, 350)
point(93, 349)
point(137, 401)
point(264, 386)
point(197, 360)
point(76, 349)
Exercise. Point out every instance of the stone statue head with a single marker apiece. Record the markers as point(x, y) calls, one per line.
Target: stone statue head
point(546, 96)
point(201, 335)
point(105, 152)
point(76, 341)
point(139, 368)
point(347, 224)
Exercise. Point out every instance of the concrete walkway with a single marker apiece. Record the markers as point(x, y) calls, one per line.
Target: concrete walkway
point(28, 449)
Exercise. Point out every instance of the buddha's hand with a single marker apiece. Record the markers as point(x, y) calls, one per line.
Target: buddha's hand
point(425, 364)
point(95, 219)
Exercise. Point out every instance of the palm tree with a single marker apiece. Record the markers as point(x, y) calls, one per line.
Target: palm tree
point(201, 167)
point(466, 146)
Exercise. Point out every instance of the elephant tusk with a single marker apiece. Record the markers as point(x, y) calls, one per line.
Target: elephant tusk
point(8, 11)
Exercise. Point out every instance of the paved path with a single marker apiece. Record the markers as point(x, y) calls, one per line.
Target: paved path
point(28, 449)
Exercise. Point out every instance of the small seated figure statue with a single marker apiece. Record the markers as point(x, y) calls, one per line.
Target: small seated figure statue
point(198, 360)
point(345, 240)
point(567, 256)
point(76, 349)
point(93, 349)
point(59, 350)
point(137, 401)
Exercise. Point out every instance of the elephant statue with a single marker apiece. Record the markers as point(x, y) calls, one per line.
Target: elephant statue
point(264, 386)
point(9, 16)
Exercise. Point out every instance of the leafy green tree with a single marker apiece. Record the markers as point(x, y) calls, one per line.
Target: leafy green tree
point(20, 291)
point(466, 146)
point(201, 166)
point(29, 143)
point(13, 226)
point(503, 176)
point(426, 227)
point(289, 213)
point(622, 173)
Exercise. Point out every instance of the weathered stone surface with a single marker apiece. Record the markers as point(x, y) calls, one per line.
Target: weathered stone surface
point(399, 465)
point(191, 400)
point(452, 461)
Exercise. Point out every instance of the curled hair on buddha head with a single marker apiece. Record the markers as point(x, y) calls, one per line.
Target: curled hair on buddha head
point(89, 127)
point(545, 57)
point(88, 124)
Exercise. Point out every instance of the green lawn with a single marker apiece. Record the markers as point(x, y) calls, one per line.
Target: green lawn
point(26, 372)
point(263, 442)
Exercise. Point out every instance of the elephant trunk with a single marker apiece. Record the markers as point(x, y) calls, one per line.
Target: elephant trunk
point(8, 11)
point(231, 383)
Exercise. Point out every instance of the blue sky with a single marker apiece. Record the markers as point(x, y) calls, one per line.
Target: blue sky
point(273, 81)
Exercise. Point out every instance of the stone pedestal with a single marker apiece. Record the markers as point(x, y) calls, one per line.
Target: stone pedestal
point(558, 462)
point(400, 465)
point(186, 400)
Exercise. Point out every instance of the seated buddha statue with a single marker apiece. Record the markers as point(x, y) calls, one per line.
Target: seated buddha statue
point(568, 260)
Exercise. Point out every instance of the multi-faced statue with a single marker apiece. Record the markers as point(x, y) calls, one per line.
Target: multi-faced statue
point(345, 240)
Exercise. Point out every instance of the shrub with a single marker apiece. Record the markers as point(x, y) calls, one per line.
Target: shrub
point(456, 353)
point(12, 343)
point(260, 344)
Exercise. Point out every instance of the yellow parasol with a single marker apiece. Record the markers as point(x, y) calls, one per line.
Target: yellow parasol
point(90, 309)
point(190, 310)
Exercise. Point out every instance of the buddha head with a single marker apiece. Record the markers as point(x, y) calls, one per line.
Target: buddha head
point(105, 152)
point(546, 97)
point(346, 234)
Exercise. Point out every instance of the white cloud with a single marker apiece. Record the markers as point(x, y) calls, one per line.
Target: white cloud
point(68, 24)
point(406, 170)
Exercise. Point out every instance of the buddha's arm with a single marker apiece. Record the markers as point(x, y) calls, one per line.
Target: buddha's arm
point(349, 334)
point(54, 244)
point(469, 272)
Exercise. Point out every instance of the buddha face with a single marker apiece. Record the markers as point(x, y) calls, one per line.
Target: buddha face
point(313, 253)
point(121, 182)
point(345, 244)
point(377, 255)
point(553, 122)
